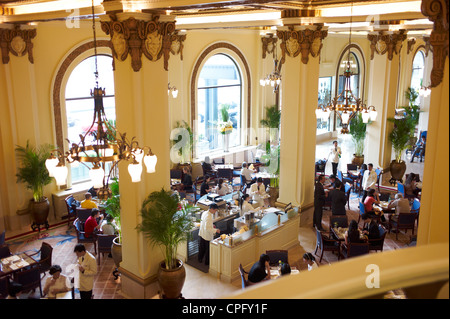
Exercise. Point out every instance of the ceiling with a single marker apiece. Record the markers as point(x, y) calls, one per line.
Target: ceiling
point(259, 14)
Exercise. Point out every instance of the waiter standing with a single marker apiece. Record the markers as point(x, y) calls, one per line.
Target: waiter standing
point(206, 233)
point(319, 201)
point(336, 155)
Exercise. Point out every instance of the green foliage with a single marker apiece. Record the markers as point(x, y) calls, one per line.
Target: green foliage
point(166, 223)
point(32, 170)
point(113, 206)
point(405, 126)
point(224, 112)
point(184, 125)
point(358, 133)
point(273, 117)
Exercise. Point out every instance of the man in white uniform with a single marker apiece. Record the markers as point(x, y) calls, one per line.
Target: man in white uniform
point(258, 193)
point(369, 180)
point(336, 154)
point(206, 233)
point(87, 266)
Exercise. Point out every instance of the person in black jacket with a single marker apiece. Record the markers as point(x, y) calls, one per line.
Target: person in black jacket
point(319, 201)
point(187, 179)
point(205, 188)
point(338, 199)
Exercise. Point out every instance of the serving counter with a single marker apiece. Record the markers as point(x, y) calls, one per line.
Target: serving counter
point(274, 231)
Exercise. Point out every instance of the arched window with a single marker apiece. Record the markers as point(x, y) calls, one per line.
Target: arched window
point(219, 85)
point(418, 71)
point(79, 104)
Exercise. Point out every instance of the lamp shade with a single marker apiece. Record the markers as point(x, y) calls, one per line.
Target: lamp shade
point(50, 164)
point(365, 116)
point(174, 93)
point(345, 117)
point(319, 112)
point(373, 115)
point(96, 174)
point(60, 174)
point(138, 154)
point(135, 171)
point(73, 164)
point(262, 82)
point(150, 163)
point(325, 115)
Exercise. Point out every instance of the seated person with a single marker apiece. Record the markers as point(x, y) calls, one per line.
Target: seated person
point(56, 283)
point(309, 259)
point(222, 188)
point(372, 198)
point(260, 270)
point(108, 227)
point(372, 231)
point(401, 206)
point(419, 149)
point(410, 186)
point(186, 183)
point(258, 191)
point(91, 226)
point(285, 269)
point(353, 235)
point(245, 204)
point(246, 173)
point(333, 180)
point(205, 188)
point(88, 203)
point(207, 167)
point(338, 199)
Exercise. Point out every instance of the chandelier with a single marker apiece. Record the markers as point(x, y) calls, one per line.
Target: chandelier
point(346, 104)
point(274, 78)
point(102, 146)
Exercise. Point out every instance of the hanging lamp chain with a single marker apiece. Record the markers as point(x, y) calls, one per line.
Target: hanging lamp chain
point(95, 45)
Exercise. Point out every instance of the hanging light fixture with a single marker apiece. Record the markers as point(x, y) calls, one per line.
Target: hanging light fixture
point(273, 79)
point(102, 146)
point(172, 89)
point(346, 104)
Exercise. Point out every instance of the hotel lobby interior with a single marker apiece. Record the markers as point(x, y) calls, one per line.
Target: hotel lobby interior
point(172, 67)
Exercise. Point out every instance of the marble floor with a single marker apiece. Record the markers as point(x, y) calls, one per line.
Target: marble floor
point(63, 240)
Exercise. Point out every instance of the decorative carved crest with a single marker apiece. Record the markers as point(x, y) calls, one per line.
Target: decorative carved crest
point(301, 41)
point(411, 43)
point(438, 12)
point(428, 47)
point(152, 38)
point(16, 41)
point(269, 43)
point(386, 42)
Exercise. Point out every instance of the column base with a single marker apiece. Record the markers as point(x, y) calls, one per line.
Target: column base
point(134, 287)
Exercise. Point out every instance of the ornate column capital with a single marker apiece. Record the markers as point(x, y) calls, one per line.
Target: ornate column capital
point(390, 42)
point(16, 41)
point(438, 12)
point(306, 41)
point(411, 44)
point(269, 43)
point(154, 39)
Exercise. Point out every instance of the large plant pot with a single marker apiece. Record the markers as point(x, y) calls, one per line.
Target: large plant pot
point(171, 281)
point(397, 170)
point(39, 213)
point(358, 160)
point(116, 251)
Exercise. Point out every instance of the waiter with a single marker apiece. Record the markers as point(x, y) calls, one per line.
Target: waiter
point(258, 192)
point(319, 201)
point(336, 154)
point(206, 233)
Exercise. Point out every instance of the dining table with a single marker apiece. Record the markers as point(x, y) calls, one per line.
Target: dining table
point(14, 263)
point(339, 233)
point(275, 272)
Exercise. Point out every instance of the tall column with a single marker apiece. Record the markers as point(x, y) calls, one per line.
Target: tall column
point(383, 90)
point(140, 47)
point(300, 78)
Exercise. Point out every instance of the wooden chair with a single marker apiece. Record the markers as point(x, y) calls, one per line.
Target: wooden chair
point(30, 279)
point(45, 261)
point(341, 221)
point(81, 235)
point(4, 287)
point(104, 243)
point(362, 211)
point(83, 213)
point(244, 281)
point(358, 185)
point(379, 172)
point(71, 205)
point(277, 255)
point(404, 221)
point(378, 243)
point(356, 249)
point(326, 243)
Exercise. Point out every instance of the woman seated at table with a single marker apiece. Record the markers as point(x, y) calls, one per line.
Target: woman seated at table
point(372, 231)
point(55, 284)
point(245, 204)
point(205, 188)
point(309, 259)
point(260, 270)
point(222, 188)
point(411, 188)
point(371, 199)
point(353, 235)
point(285, 269)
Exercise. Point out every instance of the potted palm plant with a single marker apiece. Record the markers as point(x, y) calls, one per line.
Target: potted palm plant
point(358, 133)
point(402, 133)
point(113, 208)
point(185, 153)
point(166, 223)
point(272, 121)
point(34, 174)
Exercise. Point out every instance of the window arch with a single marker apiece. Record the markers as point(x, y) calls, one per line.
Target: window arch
point(221, 77)
point(72, 104)
point(418, 68)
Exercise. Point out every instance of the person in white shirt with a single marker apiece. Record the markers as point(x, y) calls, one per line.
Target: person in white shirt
point(336, 154)
point(258, 193)
point(246, 173)
point(401, 206)
point(310, 261)
point(108, 227)
point(206, 233)
point(369, 180)
point(87, 266)
point(56, 284)
point(223, 188)
point(245, 204)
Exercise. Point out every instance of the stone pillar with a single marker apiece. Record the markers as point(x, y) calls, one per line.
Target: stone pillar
point(383, 90)
point(300, 78)
point(141, 48)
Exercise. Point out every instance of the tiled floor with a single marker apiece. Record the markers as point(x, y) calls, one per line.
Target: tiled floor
point(63, 241)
